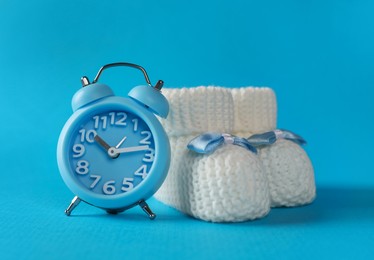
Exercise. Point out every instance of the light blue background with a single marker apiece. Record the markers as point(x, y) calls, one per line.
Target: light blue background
point(318, 56)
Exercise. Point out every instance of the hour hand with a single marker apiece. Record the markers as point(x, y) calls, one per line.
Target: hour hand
point(106, 146)
point(101, 142)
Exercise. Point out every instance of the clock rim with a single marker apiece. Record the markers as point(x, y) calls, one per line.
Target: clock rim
point(148, 186)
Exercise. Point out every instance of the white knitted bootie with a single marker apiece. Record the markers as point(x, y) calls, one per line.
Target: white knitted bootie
point(288, 168)
point(228, 185)
point(290, 174)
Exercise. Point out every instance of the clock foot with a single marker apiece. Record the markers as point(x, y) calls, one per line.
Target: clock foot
point(147, 209)
point(112, 211)
point(74, 203)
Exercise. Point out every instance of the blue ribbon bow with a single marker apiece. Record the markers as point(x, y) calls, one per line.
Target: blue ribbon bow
point(209, 142)
point(271, 137)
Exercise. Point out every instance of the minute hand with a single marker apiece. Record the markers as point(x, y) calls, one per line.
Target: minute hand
point(131, 149)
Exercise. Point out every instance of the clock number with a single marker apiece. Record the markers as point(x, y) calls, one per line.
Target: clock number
point(135, 122)
point(83, 135)
point(82, 167)
point(97, 121)
point(97, 179)
point(112, 117)
point(96, 125)
point(122, 120)
point(142, 171)
point(104, 120)
point(109, 188)
point(149, 157)
point(112, 120)
point(127, 184)
point(79, 150)
point(88, 136)
point(145, 140)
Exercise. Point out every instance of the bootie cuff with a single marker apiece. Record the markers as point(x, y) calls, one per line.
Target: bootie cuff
point(255, 109)
point(199, 109)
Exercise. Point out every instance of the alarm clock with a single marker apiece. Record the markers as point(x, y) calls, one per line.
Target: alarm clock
point(112, 152)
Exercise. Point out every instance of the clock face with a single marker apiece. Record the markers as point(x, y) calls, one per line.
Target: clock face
point(111, 153)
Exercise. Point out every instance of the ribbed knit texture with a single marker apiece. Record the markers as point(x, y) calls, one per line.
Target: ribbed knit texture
point(255, 109)
point(290, 174)
point(211, 109)
point(226, 186)
point(232, 184)
point(197, 110)
point(286, 164)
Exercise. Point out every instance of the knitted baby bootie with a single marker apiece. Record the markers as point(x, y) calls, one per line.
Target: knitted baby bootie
point(288, 168)
point(290, 174)
point(227, 185)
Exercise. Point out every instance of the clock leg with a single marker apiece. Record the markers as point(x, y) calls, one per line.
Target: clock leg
point(147, 209)
point(74, 203)
point(112, 211)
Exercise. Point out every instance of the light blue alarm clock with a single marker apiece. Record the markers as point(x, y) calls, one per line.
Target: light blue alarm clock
point(113, 153)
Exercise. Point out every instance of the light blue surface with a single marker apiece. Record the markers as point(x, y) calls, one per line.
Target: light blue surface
point(318, 56)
